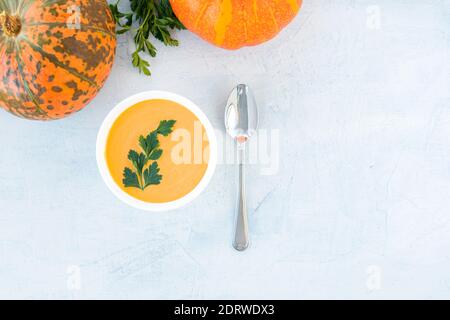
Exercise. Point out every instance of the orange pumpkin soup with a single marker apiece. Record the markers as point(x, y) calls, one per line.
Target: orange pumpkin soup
point(185, 156)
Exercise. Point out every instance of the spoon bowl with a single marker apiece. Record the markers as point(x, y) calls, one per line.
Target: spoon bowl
point(241, 115)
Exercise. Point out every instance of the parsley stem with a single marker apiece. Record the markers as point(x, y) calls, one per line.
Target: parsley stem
point(141, 181)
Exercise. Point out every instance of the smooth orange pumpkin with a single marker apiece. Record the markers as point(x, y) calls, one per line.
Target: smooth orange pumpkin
point(55, 55)
point(232, 24)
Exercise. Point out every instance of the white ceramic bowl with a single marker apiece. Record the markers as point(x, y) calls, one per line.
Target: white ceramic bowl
point(101, 146)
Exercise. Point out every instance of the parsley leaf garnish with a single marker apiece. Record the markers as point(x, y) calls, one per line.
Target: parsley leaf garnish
point(149, 143)
point(151, 176)
point(130, 179)
point(139, 160)
point(142, 177)
point(156, 154)
point(166, 127)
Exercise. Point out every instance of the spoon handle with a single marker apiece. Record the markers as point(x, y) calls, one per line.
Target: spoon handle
point(241, 238)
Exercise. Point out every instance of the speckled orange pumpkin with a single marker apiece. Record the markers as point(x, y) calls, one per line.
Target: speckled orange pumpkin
point(55, 55)
point(232, 24)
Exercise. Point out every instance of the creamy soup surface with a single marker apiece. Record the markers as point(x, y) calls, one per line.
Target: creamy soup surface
point(185, 152)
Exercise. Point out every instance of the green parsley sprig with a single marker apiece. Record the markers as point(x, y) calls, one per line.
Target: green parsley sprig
point(144, 176)
point(153, 17)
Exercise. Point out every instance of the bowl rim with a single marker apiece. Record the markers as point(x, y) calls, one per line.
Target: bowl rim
point(104, 133)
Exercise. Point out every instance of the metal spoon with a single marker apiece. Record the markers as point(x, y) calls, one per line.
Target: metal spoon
point(241, 121)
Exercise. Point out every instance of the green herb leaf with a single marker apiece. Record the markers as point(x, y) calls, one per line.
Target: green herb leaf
point(115, 12)
point(152, 17)
point(130, 179)
point(143, 177)
point(139, 160)
point(156, 154)
point(141, 64)
point(152, 176)
point(124, 30)
point(149, 143)
point(166, 127)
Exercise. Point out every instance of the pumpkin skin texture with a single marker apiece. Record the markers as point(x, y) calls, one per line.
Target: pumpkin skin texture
point(232, 24)
point(59, 57)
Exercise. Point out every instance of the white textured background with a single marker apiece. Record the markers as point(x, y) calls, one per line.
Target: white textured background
point(360, 207)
